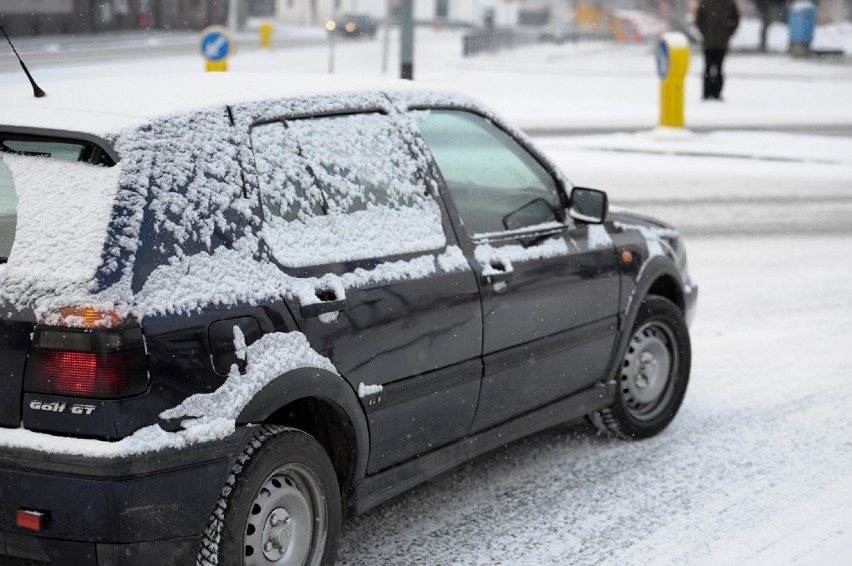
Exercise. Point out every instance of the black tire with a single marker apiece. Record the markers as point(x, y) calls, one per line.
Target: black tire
point(280, 505)
point(653, 375)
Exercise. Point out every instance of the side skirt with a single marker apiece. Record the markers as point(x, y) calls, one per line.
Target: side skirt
point(388, 484)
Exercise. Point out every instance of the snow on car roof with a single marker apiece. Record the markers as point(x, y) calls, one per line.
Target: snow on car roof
point(105, 106)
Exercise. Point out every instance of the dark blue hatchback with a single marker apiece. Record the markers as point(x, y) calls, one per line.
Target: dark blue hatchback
point(237, 313)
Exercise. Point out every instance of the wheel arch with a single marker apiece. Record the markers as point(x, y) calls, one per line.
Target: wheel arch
point(666, 285)
point(658, 276)
point(323, 405)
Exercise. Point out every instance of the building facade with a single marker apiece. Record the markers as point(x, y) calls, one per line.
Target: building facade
point(41, 17)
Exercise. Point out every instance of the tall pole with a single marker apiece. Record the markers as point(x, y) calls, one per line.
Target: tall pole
point(386, 44)
point(406, 56)
point(233, 16)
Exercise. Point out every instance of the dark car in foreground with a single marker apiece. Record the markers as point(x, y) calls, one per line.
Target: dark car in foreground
point(237, 309)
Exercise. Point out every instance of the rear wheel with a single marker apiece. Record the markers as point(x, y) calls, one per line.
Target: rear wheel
point(653, 375)
point(280, 505)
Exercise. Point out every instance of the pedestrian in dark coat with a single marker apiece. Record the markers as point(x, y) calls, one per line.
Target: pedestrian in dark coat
point(716, 20)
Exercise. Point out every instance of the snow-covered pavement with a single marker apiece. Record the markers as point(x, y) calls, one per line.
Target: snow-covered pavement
point(754, 471)
point(756, 468)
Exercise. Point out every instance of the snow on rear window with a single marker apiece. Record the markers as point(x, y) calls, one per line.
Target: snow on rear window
point(63, 213)
point(181, 189)
point(342, 188)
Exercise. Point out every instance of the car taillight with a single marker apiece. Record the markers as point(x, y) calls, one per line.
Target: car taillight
point(103, 363)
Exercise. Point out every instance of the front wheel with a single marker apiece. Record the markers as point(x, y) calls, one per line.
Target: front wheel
point(653, 374)
point(280, 505)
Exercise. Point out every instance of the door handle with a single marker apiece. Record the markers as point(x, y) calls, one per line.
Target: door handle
point(323, 307)
point(501, 275)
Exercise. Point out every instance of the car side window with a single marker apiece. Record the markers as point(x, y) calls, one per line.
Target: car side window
point(339, 186)
point(8, 211)
point(494, 182)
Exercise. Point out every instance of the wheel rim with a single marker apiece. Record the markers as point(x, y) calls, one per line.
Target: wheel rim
point(649, 371)
point(286, 523)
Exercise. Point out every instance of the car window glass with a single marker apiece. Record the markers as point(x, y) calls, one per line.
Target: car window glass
point(289, 191)
point(494, 182)
point(8, 203)
point(349, 183)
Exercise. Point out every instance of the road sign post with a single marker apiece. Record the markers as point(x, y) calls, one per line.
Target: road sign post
point(216, 46)
point(672, 63)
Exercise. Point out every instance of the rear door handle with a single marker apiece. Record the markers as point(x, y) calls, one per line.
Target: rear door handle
point(500, 275)
point(316, 309)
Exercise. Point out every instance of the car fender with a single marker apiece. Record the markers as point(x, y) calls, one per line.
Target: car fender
point(650, 272)
point(305, 383)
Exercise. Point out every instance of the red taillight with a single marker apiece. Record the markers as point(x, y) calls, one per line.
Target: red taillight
point(105, 364)
point(83, 374)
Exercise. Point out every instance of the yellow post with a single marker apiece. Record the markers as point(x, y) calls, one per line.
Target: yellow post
point(266, 30)
point(217, 66)
point(672, 63)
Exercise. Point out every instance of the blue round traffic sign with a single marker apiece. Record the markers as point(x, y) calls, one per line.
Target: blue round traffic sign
point(216, 44)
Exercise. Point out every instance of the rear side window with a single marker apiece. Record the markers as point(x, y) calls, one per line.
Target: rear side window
point(34, 146)
point(342, 188)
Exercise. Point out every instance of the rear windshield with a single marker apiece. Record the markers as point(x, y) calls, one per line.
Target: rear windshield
point(66, 150)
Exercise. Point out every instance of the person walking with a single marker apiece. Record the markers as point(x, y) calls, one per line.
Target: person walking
point(716, 20)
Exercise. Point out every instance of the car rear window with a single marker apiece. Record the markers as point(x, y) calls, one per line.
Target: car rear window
point(26, 145)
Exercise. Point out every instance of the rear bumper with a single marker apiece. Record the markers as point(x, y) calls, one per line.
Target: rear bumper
point(173, 552)
point(112, 509)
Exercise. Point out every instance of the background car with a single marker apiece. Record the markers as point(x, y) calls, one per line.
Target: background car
point(353, 25)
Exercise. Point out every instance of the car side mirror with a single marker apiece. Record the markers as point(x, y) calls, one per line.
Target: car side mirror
point(588, 205)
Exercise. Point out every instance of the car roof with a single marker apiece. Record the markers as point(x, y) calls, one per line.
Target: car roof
point(107, 106)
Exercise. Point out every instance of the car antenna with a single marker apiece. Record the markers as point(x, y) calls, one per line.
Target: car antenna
point(37, 92)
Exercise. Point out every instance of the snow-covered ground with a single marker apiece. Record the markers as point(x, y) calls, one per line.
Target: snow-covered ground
point(756, 468)
point(547, 87)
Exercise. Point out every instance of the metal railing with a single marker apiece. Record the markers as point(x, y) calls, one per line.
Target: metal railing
point(490, 41)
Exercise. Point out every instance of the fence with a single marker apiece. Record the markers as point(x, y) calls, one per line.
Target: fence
point(489, 41)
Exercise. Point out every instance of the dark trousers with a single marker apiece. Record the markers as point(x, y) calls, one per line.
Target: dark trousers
point(713, 79)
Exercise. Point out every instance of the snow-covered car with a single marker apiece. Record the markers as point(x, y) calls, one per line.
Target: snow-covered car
point(235, 309)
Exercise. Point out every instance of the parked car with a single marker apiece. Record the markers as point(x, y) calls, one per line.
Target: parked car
point(353, 25)
point(238, 309)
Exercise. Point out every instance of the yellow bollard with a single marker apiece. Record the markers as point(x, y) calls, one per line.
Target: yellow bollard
point(672, 63)
point(266, 30)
